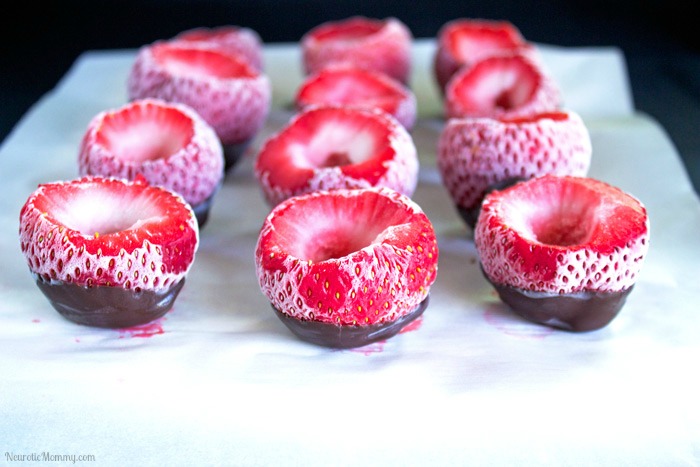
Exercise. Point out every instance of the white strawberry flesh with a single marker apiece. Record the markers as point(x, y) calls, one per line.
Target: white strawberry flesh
point(562, 235)
point(231, 39)
point(331, 147)
point(347, 257)
point(168, 144)
point(97, 231)
point(465, 41)
point(501, 86)
point(352, 86)
point(224, 89)
point(478, 154)
point(374, 44)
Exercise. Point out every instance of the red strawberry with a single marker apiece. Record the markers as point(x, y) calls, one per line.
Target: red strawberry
point(332, 147)
point(358, 87)
point(501, 86)
point(462, 42)
point(231, 39)
point(108, 252)
point(232, 96)
point(561, 250)
point(476, 155)
point(345, 268)
point(378, 44)
point(167, 144)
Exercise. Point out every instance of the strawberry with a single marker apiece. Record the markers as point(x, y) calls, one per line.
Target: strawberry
point(108, 252)
point(231, 39)
point(332, 147)
point(168, 144)
point(506, 85)
point(352, 86)
point(464, 41)
point(229, 94)
point(476, 155)
point(345, 268)
point(378, 44)
point(562, 250)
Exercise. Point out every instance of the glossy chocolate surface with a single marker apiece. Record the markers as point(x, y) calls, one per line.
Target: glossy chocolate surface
point(108, 307)
point(347, 336)
point(580, 312)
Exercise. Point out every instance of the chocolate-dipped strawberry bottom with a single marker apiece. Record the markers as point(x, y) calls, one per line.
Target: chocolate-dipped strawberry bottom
point(347, 267)
point(108, 252)
point(563, 251)
point(106, 306)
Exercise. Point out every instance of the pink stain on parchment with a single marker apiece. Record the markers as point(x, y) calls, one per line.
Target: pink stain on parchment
point(144, 330)
point(378, 347)
point(512, 325)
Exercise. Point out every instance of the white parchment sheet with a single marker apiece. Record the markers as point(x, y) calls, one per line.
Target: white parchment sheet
point(219, 379)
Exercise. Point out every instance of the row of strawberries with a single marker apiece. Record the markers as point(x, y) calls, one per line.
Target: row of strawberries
point(344, 246)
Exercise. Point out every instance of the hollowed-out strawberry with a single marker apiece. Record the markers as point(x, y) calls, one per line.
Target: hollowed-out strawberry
point(564, 251)
point(231, 39)
point(108, 252)
point(229, 94)
point(378, 44)
point(332, 147)
point(358, 87)
point(476, 155)
point(168, 144)
point(506, 85)
point(464, 41)
point(346, 268)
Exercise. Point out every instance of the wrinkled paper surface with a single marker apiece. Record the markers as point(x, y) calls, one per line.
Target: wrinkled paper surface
point(220, 380)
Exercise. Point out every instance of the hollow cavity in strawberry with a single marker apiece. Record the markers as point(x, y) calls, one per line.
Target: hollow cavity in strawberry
point(108, 252)
point(464, 41)
point(227, 92)
point(333, 147)
point(346, 268)
point(501, 86)
point(168, 144)
point(561, 250)
point(382, 45)
point(358, 87)
point(230, 39)
point(477, 155)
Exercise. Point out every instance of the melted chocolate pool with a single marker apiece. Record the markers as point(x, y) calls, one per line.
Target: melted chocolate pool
point(108, 307)
point(347, 336)
point(580, 312)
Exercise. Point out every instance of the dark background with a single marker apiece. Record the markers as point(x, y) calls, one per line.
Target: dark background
point(660, 40)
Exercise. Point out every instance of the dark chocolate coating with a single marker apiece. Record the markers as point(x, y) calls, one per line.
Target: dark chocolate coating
point(233, 154)
point(469, 216)
point(201, 211)
point(580, 312)
point(108, 307)
point(347, 336)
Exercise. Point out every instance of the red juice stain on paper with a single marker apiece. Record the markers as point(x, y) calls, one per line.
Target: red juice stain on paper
point(413, 325)
point(369, 349)
point(514, 326)
point(144, 330)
